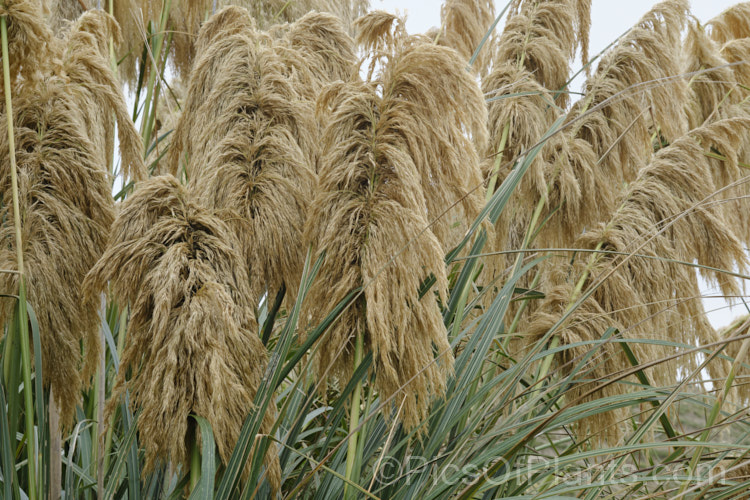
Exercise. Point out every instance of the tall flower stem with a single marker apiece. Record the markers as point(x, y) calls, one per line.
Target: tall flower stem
point(351, 455)
point(23, 325)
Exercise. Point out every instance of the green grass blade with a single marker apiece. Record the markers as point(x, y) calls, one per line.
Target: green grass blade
point(121, 459)
point(205, 488)
point(40, 398)
point(263, 398)
point(487, 35)
point(643, 379)
point(6, 449)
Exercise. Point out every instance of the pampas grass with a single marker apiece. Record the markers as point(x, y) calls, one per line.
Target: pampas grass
point(642, 71)
point(86, 64)
point(321, 48)
point(368, 207)
point(66, 210)
point(193, 346)
point(377, 266)
point(541, 36)
point(437, 110)
point(530, 65)
point(635, 93)
point(257, 159)
point(184, 21)
point(464, 24)
point(731, 24)
point(30, 41)
point(668, 201)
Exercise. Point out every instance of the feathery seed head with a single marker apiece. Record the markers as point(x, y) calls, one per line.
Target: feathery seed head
point(368, 207)
point(66, 208)
point(193, 344)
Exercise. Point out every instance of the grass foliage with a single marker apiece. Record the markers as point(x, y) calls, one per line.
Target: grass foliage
point(344, 261)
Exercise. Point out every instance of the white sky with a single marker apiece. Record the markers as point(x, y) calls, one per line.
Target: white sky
point(609, 19)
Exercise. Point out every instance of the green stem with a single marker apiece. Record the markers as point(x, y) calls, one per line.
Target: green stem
point(351, 454)
point(582, 280)
point(28, 396)
point(120, 349)
point(100, 396)
point(361, 442)
point(23, 325)
point(547, 363)
point(148, 108)
point(498, 161)
point(7, 356)
point(522, 307)
point(716, 410)
point(55, 450)
point(195, 464)
point(462, 300)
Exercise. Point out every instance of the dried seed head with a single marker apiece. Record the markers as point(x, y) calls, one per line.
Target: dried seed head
point(378, 30)
point(62, 12)
point(66, 208)
point(86, 64)
point(437, 108)
point(667, 219)
point(520, 113)
point(712, 81)
point(368, 208)
point(257, 157)
point(32, 49)
point(464, 25)
point(542, 37)
point(185, 21)
point(733, 23)
point(636, 92)
point(192, 345)
point(322, 45)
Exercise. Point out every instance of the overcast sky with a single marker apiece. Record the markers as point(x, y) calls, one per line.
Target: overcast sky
point(609, 19)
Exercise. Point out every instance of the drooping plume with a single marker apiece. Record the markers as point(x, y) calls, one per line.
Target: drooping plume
point(439, 111)
point(738, 328)
point(61, 12)
point(667, 219)
point(638, 79)
point(718, 79)
point(322, 49)
point(379, 30)
point(256, 159)
point(733, 23)
point(542, 37)
point(464, 23)
point(712, 84)
point(193, 346)
point(530, 67)
point(637, 91)
point(368, 217)
point(521, 111)
point(185, 18)
point(66, 210)
point(86, 65)
point(438, 108)
point(32, 49)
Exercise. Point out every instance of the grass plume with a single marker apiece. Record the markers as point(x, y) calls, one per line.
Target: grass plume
point(193, 346)
point(368, 206)
point(66, 208)
point(665, 214)
point(463, 26)
point(257, 159)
